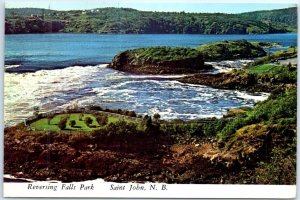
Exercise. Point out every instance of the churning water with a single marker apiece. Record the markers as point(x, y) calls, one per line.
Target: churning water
point(53, 71)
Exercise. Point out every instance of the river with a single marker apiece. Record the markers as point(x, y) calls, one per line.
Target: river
point(53, 71)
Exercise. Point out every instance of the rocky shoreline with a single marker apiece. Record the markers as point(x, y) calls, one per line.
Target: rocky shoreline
point(232, 81)
point(70, 157)
point(153, 156)
point(241, 148)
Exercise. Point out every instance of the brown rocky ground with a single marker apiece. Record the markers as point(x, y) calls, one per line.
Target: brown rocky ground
point(232, 81)
point(42, 156)
point(70, 157)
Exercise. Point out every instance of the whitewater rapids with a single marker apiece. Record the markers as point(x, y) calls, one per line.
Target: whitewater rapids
point(146, 94)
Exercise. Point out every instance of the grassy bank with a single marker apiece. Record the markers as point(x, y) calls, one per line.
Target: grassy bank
point(77, 122)
point(249, 145)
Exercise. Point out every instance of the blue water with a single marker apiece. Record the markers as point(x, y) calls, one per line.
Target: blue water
point(78, 77)
point(32, 52)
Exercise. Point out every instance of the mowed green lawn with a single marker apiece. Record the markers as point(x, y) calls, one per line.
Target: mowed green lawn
point(265, 68)
point(43, 124)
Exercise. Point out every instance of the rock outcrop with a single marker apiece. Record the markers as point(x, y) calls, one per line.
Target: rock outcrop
point(228, 50)
point(232, 81)
point(159, 60)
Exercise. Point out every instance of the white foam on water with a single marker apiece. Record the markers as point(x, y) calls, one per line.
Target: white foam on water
point(24, 91)
point(57, 89)
point(159, 76)
point(228, 65)
point(259, 97)
point(11, 66)
point(102, 66)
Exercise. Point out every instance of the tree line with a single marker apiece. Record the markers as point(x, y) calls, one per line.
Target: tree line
point(125, 21)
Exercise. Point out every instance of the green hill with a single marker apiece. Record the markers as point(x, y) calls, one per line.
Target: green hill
point(26, 11)
point(226, 50)
point(126, 20)
point(177, 60)
point(159, 60)
point(284, 17)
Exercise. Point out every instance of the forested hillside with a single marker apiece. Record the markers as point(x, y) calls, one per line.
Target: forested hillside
point(125, 20)
point(286, 17)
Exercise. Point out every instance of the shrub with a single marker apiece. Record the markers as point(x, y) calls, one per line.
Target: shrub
point(165, 53)
point(49, 118)
point(182, 129)
point(120, 129)
point(281, 169)
point(72, 123)
point(211, 129)
point(36, 111)
point(230, 50)
point(80, 138)
point(148, 121)
point(102, 119)
point(88, 121)
point(156, 116)
point(272, 110)
point(95, 107)
point(63, 123)
point(131, 114)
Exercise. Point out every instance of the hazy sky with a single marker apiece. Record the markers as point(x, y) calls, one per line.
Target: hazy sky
point(153, 5)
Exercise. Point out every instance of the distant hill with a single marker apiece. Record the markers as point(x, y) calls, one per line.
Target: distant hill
point(126, 20)
point(286, 17)
point(26, 11)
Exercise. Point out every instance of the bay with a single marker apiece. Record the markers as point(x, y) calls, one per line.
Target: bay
point(54, 71)
point(32, 52)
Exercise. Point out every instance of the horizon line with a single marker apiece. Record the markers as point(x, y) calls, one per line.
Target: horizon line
point(189, 6)
point(216, 12)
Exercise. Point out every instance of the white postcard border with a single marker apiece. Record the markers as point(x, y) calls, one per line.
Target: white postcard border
point(174, 190)
point(92, 189)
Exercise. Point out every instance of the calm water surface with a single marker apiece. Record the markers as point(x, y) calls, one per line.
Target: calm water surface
point(31, 52)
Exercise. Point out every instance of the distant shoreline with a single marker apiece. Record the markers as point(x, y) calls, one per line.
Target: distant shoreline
point(127, 21)
point(78, 33)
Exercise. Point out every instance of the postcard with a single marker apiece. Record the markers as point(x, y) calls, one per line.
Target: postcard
point(150, 99)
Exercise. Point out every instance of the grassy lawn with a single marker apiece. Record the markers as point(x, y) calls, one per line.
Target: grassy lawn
point(261, 68)
point(265, 68)
point(44, 124)
point(80, 124)
point(55, 120)
point(113, 119)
